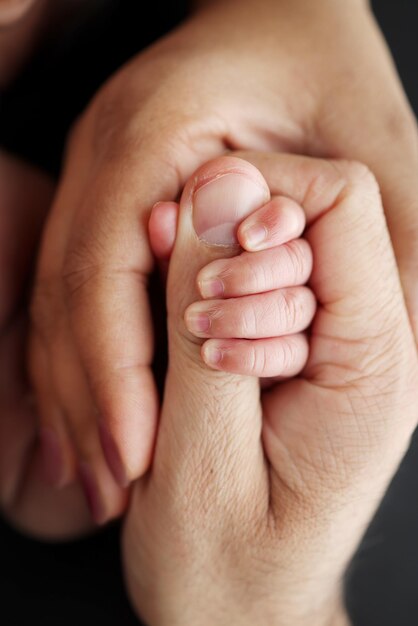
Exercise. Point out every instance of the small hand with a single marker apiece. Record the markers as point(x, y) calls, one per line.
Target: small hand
point(261, 305)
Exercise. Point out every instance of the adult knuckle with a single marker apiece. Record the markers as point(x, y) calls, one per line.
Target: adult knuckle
point(119, 124)
point(116, 123)
point(174, 144)
point(79, 269)
point(121, 128)
point(358, 175)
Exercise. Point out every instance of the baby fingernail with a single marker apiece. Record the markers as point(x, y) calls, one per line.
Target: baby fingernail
point(52, 457)
point(211, 354)
point(211, 288)
point(254, 235)
point(92, 493)
point(113, 456)
point(197, 322)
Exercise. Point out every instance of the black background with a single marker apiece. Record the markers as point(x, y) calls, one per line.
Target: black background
point(81, 584)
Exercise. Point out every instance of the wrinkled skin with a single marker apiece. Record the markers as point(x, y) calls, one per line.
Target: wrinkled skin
point(254, 506)
point(313, 78)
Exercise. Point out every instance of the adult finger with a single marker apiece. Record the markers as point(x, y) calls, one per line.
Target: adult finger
point(384, 136)
point(58, 454)
point(105, 277)
point(361, 334)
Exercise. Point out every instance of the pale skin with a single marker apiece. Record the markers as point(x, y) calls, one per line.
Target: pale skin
point(254, 306)
point(255, 504)
point(270, 350)
point(246, 500)
point(346, 483)
point(138, 142)
point(144, 120)
point(150, 99)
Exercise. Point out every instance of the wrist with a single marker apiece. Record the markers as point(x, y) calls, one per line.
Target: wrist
point(309, 611)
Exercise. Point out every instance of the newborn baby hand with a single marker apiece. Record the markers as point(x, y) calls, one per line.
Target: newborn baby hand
point(254, 306)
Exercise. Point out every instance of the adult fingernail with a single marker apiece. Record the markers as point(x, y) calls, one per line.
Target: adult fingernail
point(52, 457)
point(113, 456)
point(92, 493)
point(220, 204)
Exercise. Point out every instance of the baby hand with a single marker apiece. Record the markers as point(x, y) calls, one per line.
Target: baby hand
point(255, 307)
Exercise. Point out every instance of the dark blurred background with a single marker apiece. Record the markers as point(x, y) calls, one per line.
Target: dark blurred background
point(81, 584)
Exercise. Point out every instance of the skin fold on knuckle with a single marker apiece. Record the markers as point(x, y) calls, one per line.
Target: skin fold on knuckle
point(299, 257)
point(248, 322)
point(249, 274)
point(228, 273)
point(77, 281)
point(287, 356)
point(81, 276)
point(288, 310)
point(219, 317)
point(142, 123)
point(358, 180)
point(255, 359)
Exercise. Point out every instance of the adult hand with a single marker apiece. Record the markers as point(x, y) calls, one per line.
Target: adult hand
point(252, 510)
point(25, 497)
point(294, 75)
